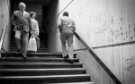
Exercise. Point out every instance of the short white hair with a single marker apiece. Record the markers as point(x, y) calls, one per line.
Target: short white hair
point(22, 4)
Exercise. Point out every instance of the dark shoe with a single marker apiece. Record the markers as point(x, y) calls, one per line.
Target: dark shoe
point(75, 55)
point(65, 57)
point(18, 51)
point(71, 61)
point(24, 56)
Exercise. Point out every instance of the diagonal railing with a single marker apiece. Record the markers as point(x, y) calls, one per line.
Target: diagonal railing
point(98, 60)
point(65, 7)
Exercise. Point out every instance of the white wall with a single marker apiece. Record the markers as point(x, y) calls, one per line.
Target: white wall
point(121, 60)
point(4, 20)
point(103, 22)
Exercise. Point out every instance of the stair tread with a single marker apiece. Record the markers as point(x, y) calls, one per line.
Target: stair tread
point(42, 77)
point(56, 69)
point(37, 63)
point(38, 54)
point(14, 52)
point(35, 58)
point(13, 47)
point(76, 83)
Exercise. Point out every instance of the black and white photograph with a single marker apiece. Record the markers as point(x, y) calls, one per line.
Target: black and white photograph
point(67, 41)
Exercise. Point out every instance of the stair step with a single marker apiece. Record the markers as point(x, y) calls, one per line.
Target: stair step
point(15, 48)
point(38, 65)
point(34, 59)
point(40, 72)
point(12, 50)
point(44, 79)
point(76, 83)
point(41, 54)
point(35, 63)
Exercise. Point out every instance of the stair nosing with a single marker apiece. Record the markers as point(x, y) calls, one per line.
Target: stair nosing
point(77, 83)
point(12, 52)
point(37, 63)
point(34, 58)
point(40, 77)
point(56, 69)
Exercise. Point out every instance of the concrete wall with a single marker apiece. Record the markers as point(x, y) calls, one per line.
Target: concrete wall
point(105, 22)
point(92, 66)
point(4, 20)
point(53, 26)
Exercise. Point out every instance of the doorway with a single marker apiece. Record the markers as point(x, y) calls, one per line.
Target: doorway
point(46, 15)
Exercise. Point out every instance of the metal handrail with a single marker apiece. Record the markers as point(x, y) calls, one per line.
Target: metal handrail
point(2, 38)
point(101, 63)
point(65, 7)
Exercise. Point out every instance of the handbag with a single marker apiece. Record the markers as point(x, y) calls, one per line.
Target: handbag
point(32, 45)
point(18, 34)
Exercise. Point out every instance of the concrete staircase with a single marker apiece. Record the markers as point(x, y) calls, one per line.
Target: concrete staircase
point(41, 68)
